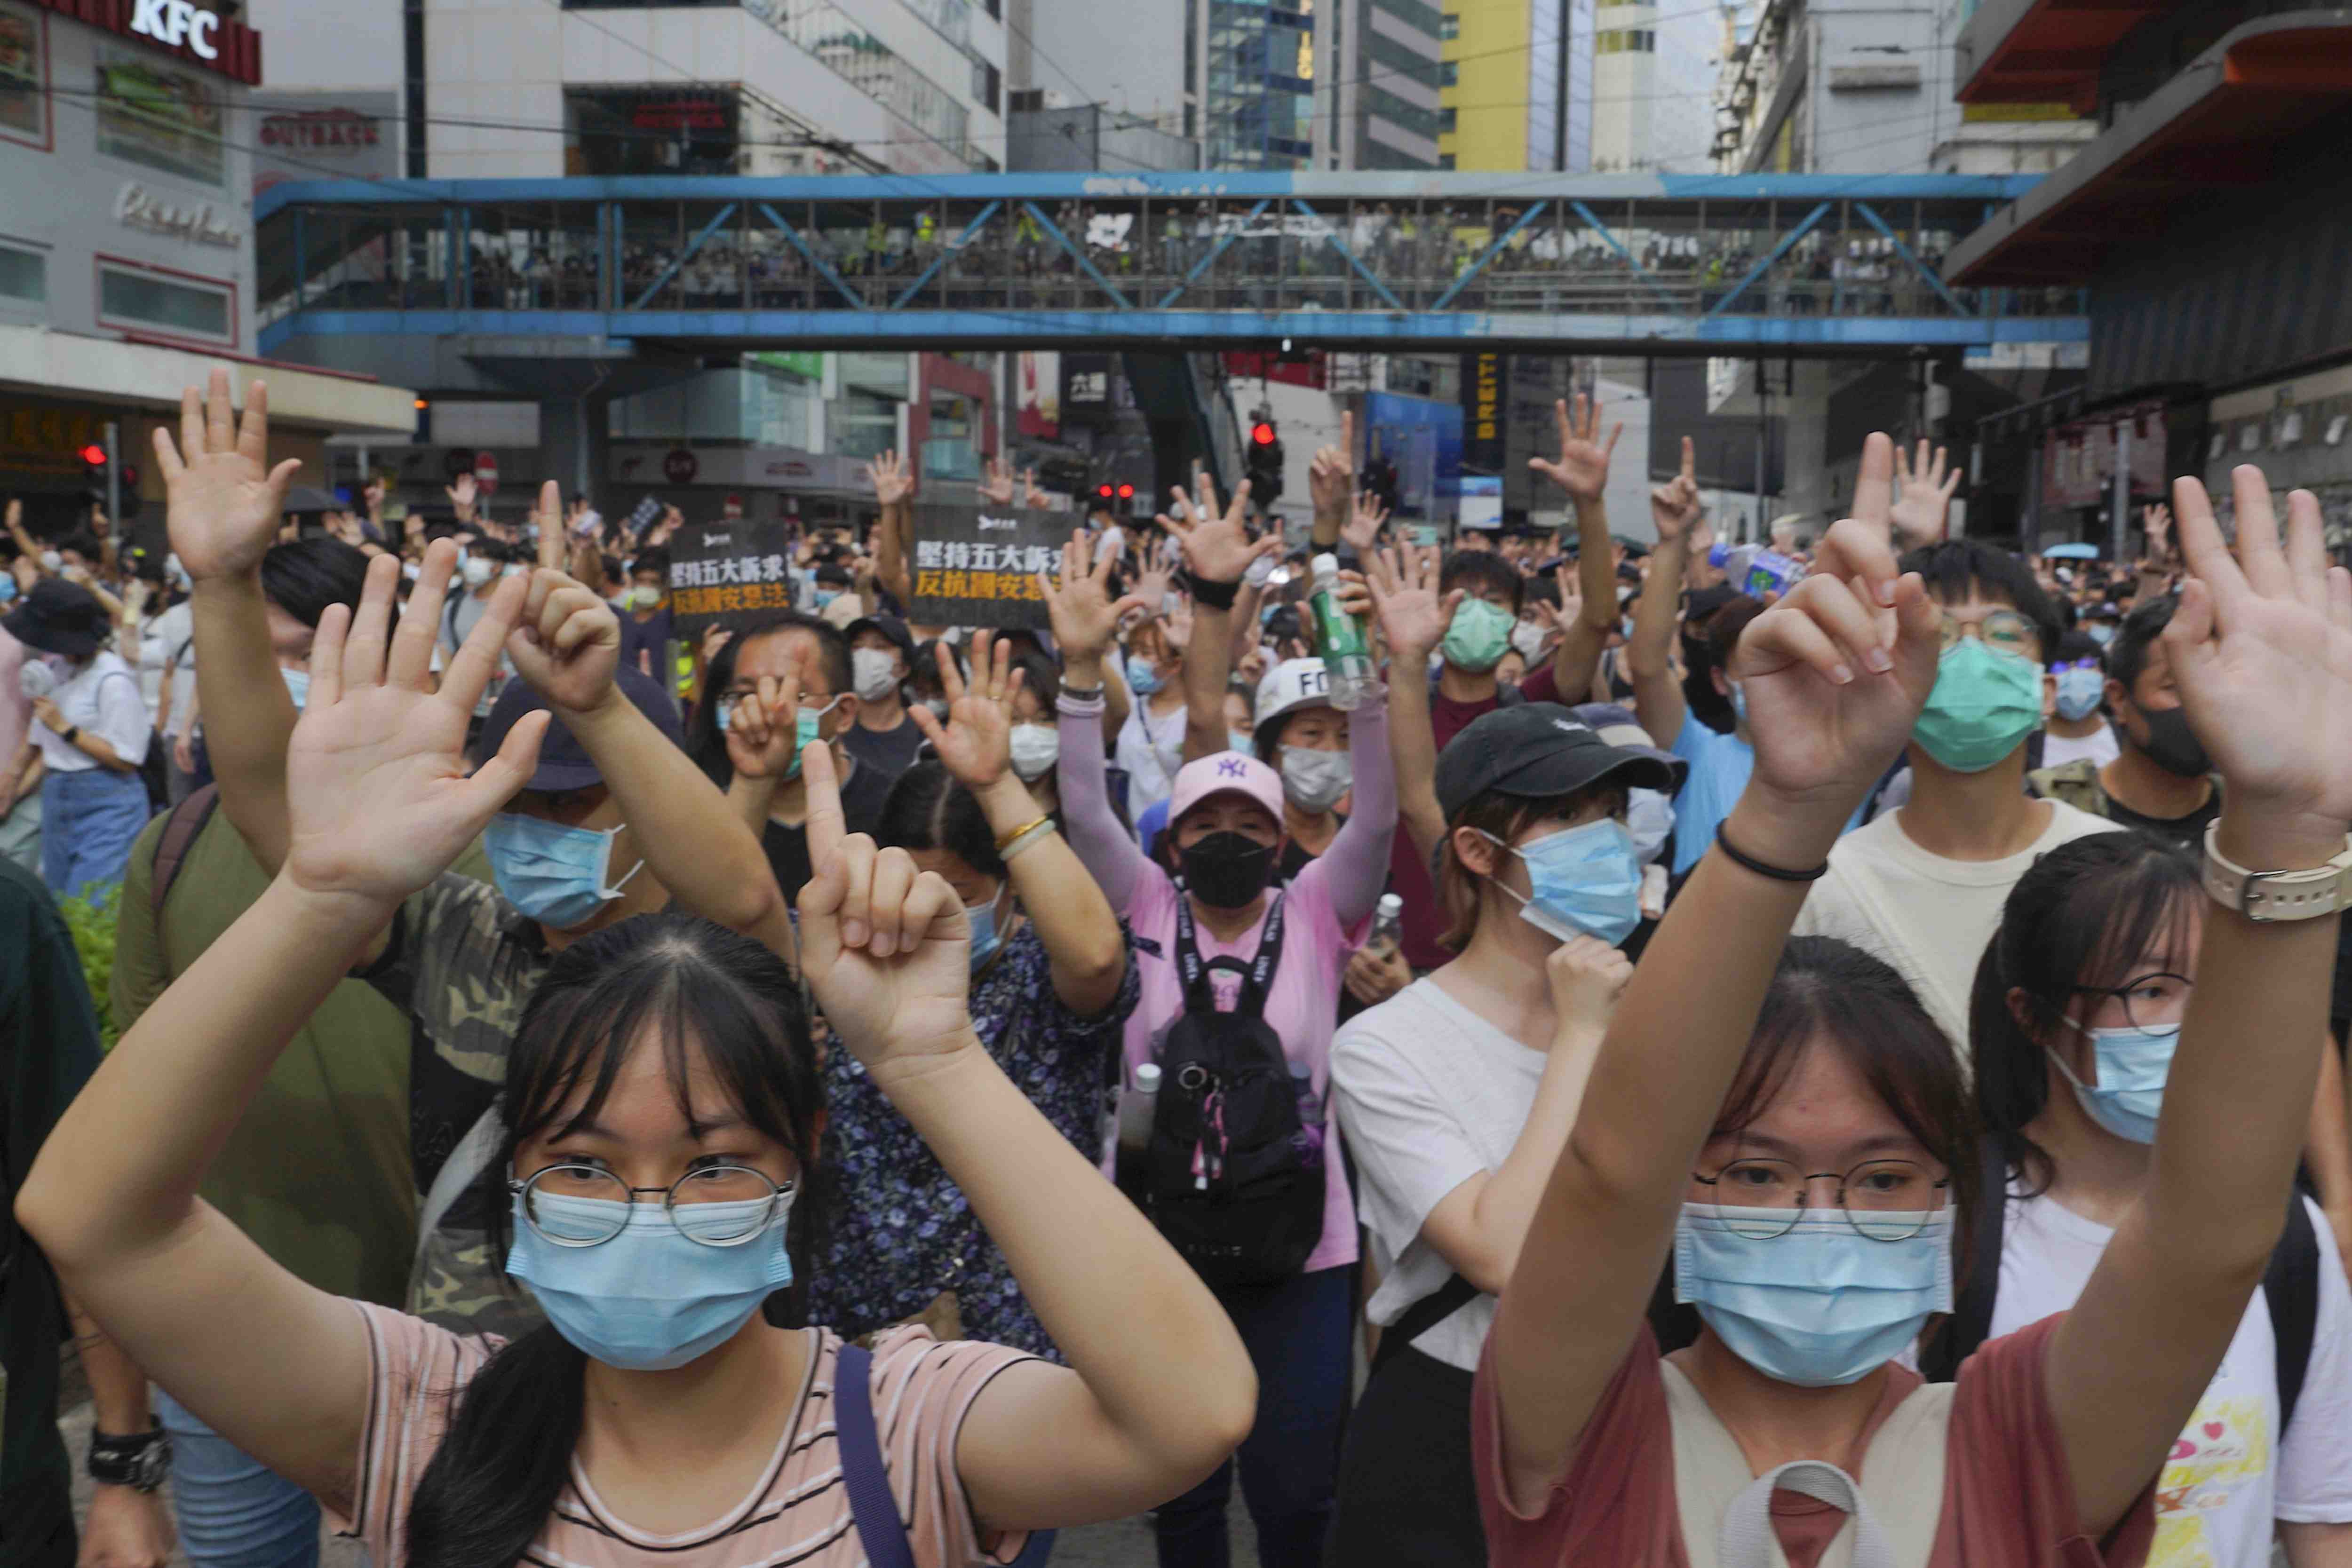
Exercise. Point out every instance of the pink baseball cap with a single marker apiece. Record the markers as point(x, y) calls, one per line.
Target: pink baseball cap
point(1235, 772)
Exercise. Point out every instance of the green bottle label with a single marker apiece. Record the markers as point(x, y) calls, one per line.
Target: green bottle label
point(1337, 632)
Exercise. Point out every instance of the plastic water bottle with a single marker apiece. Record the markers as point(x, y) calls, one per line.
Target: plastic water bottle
point(1310, 1114)
point(1387, 924)
point(1339, 640)
point(1137, 1105)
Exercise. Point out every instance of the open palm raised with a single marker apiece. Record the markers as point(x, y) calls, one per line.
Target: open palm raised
point(225, 503)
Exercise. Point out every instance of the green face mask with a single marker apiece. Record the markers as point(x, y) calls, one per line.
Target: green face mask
point(1984, 706)
point(1479, 636)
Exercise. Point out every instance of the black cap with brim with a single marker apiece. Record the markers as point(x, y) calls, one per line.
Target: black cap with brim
point(305, 500)
point(1538, 751)
point(57, 617)
point(889, 626)
point(563, 763)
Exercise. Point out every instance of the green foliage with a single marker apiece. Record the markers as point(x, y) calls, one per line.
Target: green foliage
point(92, 924)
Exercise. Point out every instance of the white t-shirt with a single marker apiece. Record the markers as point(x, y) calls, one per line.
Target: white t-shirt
point(169, 640)
point(2099, 747)
point(103, 699)
point(2230, 1476)
point(1152, 749)
point(1429, 1094)
point(1928, 916)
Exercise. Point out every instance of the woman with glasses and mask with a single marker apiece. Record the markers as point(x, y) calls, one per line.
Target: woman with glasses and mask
point(2078, 1010)
point(655, 1185)
point(1052, 985)
point(1779, 1123)
point(1249, 974)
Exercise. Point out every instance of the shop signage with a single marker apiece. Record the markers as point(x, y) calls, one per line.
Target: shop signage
point(137, 207)
point(679, 466)
point(202, 37)
point(323, 131)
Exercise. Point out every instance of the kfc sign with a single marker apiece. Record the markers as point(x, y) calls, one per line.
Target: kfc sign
point(175, 24)
point(199, 34)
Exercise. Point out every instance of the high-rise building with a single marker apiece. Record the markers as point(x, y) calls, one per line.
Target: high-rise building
point(1253, 70)
point(1654, 70)
point(1516, 85)
point(1382, 98)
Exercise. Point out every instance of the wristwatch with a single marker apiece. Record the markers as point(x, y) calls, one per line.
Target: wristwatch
point(140, 1462)
point(2266, 897)
point(72, 734)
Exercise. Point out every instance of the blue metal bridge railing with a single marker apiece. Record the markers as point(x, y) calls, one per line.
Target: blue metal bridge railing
point(1805, 263)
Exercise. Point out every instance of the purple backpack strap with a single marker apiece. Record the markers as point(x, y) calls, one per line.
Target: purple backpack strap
point(880, 1529)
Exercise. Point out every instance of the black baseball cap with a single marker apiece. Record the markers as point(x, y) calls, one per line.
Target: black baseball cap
point(1701, 602)
point(59, 617)
point(1538, 751)
point(563, 763)
point(890, 626)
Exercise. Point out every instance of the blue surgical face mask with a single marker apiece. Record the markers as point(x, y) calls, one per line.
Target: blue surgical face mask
point(2079, 691)
point(8, 587)
point(1584, 881)
point(2100, 632)
point(1650, 818)
point(1143, 677)
point(987, 937)
point(1739, 704)
point(1819, 1305)
point(826, 596)
point(554, 874)
point(651, 1297)
point(2133, 1064)
point(297, 686)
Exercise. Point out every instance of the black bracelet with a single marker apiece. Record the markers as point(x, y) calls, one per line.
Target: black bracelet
point(142, 1462)
point(1211, 595)
point(1742, 859)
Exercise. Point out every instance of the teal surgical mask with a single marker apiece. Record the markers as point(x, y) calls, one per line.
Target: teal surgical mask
point(804, 727)
point(1478, 637)
point(1984, 705)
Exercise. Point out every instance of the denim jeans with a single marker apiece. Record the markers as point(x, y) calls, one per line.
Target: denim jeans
point(1297, 1333)
point(90, 819)
point(232, 1512)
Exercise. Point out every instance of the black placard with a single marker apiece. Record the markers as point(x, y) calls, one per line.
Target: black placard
point(722, 573)
point(979, 567)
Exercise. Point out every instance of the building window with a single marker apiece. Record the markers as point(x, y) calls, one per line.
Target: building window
point(1445, 118)
point(24, 276)
point(1625, 41)
point(1449, 73)
point(183, 306)
point(23, 78)
point(1445, 160)
point(1449, 27)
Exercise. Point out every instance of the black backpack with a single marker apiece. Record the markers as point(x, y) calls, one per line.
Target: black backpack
point(2290, 1291)
point(1232, 1175)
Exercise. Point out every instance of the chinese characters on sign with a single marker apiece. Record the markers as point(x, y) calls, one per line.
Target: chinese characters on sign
point(721, 574)
point(980, 567)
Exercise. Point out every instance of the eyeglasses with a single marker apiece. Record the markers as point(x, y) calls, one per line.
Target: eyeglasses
point(584, 1206)
point(2154, 1001)
point(1886, 1200)
point(2003, 630)
point(2063, 665)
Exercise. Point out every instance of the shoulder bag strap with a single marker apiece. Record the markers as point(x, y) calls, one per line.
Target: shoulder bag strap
point(1423, 1316)
point(2291, 1291)
point(880, 1531)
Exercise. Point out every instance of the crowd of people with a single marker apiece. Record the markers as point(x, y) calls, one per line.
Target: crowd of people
point(1543, 1052)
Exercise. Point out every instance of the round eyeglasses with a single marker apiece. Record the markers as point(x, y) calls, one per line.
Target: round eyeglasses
point(2003, 630)
point(715, 1206)
point(1886, 1200)
point(2157, 1001)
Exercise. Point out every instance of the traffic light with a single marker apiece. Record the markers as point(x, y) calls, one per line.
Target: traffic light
point(93, 464)
point(1265, 464)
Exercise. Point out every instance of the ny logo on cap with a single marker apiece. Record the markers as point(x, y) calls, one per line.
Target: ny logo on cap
point(1234, 767)
point(1569, 726)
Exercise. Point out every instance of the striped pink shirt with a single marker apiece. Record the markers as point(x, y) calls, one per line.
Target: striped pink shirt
point(797, 1516)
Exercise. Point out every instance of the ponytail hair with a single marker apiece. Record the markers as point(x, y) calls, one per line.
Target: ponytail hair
point(680, 984)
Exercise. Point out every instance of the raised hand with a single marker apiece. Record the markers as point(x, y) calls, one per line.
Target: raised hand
point(378, 796)
point(547, 517)
point(1085, 616)
point(1582, 469)
point(1837, 670)
point(567, 643)
point(2262, 649)
point(1923, 497)
point(1217, 546)
point(1414, 615)
point(1176, 627)
point(1675, 508)
point(1361, 531)
point(2158, 522)
point(976, 741)
point(463, 493)
point(892, 482)
point(1331, 476)
point(225, 503)
point(1587, 976)
point(996, 482)
point(763, 727)
point(1031, 496)
point(1874, 485)
point(886, 949)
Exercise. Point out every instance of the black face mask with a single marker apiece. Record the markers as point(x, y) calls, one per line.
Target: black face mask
point(1226, 871)
point(2171, 745)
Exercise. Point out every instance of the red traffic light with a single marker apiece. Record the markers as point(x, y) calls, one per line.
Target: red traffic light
point(1262, 434)
point(1104, 491)
point(95, 455)
point(1127, 492)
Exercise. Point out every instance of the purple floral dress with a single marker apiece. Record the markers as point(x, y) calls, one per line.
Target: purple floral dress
point(901, 1232)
